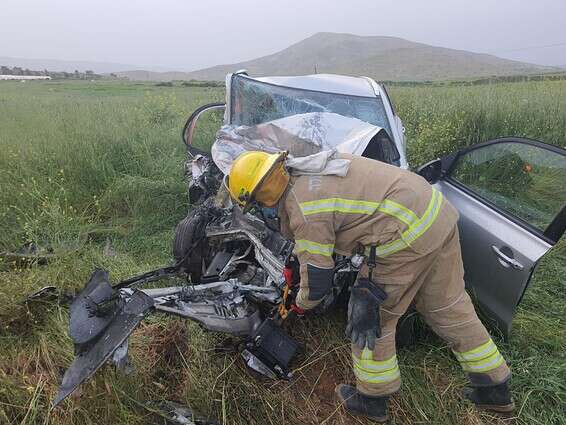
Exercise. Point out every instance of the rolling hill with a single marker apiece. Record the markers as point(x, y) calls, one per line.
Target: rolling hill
point(384, 58)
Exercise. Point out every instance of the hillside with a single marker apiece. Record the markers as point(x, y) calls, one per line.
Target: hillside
point(385, 58)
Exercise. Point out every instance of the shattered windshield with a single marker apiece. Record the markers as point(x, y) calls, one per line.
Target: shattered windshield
point(254, 102)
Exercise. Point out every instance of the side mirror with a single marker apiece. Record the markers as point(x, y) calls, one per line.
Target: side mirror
point(209, 118)
point(431, 171)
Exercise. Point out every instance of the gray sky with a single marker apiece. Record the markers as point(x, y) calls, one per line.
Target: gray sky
point(189, 34)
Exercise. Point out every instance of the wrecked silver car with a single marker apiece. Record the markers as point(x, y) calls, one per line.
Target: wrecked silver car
point(232, 272)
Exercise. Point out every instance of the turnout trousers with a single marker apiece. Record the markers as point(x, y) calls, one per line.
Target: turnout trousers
point(435, 282)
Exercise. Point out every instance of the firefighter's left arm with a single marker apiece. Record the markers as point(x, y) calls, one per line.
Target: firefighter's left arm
point(314, 246)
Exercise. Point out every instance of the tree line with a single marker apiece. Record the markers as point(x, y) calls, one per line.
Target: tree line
point(77, 75)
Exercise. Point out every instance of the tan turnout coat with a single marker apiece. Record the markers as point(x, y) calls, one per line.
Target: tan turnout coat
point(418, 261)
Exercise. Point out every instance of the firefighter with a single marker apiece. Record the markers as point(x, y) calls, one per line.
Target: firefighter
point(409, 235)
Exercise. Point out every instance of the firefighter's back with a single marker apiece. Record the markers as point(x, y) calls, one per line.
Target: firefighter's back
point(374, 204)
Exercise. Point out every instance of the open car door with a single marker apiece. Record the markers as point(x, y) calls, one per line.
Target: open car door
point(511, 195)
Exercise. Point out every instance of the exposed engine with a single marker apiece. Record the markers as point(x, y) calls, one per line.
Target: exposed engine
point(230, 278)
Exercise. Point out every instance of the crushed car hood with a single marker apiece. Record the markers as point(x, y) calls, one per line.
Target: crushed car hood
point(301, 135)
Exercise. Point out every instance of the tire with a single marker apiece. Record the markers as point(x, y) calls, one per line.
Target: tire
point(188, 231)
point(189, 244)
point(190, 247)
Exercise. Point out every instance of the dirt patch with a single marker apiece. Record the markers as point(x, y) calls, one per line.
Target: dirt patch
point(317, 383)
point(324, 390)
point(159, 345)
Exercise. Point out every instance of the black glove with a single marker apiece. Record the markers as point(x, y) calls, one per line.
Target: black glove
point(363, 313)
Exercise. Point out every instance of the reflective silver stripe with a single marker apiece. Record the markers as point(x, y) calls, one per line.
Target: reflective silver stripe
point(455, 325)
point(449, 305)
point(303, 245)
point(426, 221)
point(377, 379)
point(375, 371)
point(484, 367)
point(350, 206)
point(390, 248)
point(375, 365)
point(481, 351)
point(416, 230)
point(338, 205)
point(398, 211)
point(483, 358)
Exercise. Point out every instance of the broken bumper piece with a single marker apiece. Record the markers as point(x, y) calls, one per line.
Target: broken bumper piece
point(102, 317)
point(94, 353)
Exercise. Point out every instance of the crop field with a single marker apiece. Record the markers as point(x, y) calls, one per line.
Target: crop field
point(94, 172)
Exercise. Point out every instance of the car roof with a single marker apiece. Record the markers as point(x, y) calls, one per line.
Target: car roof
point(329, 83)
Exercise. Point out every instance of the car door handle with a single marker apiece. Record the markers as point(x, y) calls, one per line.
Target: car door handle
point(506, 259)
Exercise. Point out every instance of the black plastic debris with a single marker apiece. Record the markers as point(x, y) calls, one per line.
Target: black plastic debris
point(93, 354)
point(93, 309)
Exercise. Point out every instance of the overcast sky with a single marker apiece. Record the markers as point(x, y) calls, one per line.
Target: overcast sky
point(191, 34)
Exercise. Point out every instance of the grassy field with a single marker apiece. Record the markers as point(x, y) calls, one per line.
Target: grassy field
point(86, 164)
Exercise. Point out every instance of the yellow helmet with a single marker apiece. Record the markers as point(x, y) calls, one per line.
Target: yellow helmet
point(258, 176)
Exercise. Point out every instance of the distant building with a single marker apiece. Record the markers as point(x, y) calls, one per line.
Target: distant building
point(24, 77)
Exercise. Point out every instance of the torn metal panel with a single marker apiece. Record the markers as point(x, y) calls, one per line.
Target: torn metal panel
point(92, 356)
point(217, 306)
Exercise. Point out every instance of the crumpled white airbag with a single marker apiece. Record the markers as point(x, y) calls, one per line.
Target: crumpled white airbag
point(304, 136)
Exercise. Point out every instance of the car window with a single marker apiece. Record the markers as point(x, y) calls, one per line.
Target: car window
point(524, 180)
point(254, 102)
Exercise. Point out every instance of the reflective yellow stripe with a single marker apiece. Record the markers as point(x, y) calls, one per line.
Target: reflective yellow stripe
point(477, 353)
point(374, 371)
point(416, 226)
point(349, 206)
point(416, 230)
point(493, 362)
point(484, 358)
point(303, 245)
point(370, 365)
point(398, 211)
point(427, 219)
point(382, 378)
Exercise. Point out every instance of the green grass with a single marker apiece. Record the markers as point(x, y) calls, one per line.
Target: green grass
point(85, 163)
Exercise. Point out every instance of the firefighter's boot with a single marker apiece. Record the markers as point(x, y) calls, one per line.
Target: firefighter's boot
point(496, 398)
point(358, 404)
